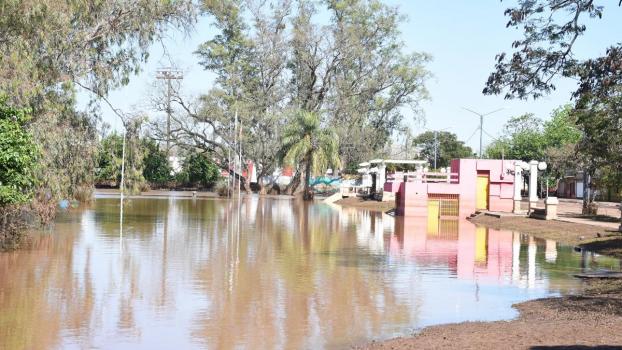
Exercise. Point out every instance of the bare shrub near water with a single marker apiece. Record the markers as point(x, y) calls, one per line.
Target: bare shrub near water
point(12, 226)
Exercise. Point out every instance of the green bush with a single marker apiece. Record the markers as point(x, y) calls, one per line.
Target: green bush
point(18, 156)
point(199, 170)
point(157, 169)
point(109, 157)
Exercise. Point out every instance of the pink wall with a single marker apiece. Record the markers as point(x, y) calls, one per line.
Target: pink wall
point(411, 198)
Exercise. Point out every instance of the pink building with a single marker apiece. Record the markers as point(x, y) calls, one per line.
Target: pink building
point(471, 184)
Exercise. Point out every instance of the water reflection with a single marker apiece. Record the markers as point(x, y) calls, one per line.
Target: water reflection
point(262, 273)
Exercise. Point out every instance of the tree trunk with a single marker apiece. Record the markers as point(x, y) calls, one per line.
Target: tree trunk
point(247, 184)
point(588, 205)
point(293, 185)
point(308, 192)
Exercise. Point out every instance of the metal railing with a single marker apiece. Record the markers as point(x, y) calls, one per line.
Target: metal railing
point(425, 177)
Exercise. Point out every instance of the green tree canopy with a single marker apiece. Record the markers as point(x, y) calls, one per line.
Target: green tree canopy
point(527, 138)
point(199, 169)
point(522, 139)
point(448, 147)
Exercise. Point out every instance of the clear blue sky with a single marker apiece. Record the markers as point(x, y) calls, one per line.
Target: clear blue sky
point(463, 36)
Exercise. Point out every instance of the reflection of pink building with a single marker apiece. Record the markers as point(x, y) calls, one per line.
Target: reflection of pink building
point(474, 183)
point(467, 250)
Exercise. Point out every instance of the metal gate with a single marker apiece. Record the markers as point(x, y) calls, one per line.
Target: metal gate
point(443, 215)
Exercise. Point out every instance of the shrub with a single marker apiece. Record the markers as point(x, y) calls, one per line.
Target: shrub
point(157, 169)
point(198, 169)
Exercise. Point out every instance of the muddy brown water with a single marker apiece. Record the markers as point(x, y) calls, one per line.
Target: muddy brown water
point(275, 274)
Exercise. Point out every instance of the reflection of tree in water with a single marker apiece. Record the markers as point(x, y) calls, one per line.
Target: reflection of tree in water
point(41, 294)
point(295, 285)
point(140, 217)
point(292, 277)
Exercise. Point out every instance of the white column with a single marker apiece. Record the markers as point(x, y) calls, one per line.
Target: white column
point(518, 182)
point(381, 177)
point(533, 181)
point(531, 263)
point(515, 257)
point(418, 173)
point(550, 252)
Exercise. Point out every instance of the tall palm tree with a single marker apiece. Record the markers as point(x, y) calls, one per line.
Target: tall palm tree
point(305, 142)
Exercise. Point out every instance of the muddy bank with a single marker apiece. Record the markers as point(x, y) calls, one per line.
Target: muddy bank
point(368, 204)
point(593, 319)
point(595, 238)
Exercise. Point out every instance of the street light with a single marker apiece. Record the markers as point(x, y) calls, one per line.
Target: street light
point(481, 125)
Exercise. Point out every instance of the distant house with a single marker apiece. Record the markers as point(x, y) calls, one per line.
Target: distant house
point(571, 186)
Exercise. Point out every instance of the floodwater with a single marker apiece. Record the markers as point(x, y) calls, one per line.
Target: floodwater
point(276, 274)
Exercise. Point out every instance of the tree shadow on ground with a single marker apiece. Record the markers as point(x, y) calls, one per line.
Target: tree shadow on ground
point(601, 218)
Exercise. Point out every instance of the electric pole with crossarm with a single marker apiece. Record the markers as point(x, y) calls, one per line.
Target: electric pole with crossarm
point(169, 74)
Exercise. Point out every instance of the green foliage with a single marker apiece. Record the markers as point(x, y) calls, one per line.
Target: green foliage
point(562, 128)
point(109, 157)
point(68, 142)
point(600, 120)
point(99, 44)
point(157, 170)
point(529, 138)
point(199, 169)
point(18, 156)
point(449, 147)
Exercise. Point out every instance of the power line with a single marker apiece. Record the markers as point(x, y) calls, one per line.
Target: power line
point(168, 74)
point(481, 125)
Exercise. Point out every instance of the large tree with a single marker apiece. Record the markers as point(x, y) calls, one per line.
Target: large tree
point(551, 29)
point(441, 147)
point(341, 59)
point(47, 48)
point(247, 102)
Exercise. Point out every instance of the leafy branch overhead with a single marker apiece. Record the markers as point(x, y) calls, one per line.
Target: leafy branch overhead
point(551, 29)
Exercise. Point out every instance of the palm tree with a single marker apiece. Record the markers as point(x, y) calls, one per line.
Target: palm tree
point(307, 143)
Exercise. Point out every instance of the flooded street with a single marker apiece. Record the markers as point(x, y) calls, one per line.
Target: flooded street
point(275, 274)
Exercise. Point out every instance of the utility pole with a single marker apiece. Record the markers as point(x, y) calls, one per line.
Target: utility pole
point(436, 143)
point(481, 125)
point(169, 74)
point(435, 147)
